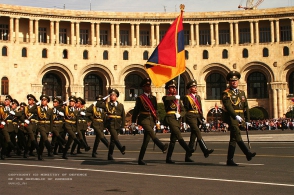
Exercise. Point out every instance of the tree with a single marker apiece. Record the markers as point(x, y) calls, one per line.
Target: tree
point(256, 114)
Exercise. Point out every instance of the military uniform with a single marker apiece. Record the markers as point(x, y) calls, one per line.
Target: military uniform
point(235, 105)
point(97, 114)
point(145, 115)
point(115, 121)
point(194, 117)
point(175, 110)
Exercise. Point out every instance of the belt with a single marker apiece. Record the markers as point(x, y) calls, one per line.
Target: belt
point(98, 119)
point(57, 122)
point(34, 120)
point(171, 112)
point(194, 111)
point(69, 121)
point(145, 113)
point(113, 116)
point(82, 120)
point(239, 111)
point(8, 121)
point(44, 122)
point(15, 123)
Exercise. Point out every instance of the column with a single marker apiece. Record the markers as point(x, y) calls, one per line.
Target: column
point(36, 31)
point(57, 32)
point(284, 99)
point(52, 33)
point(31, 28)
point(237, 33)
point(117, 36)
point(16, 30)
point(112, 34)
point(216, 34)
point(277, 31)
point(280, 103)
point(132, 35)
point(275, 103)
point(273, 31)
point(157, 34)
point(197, 33)
point(251, 32)
point(98, 34)
point(72, 33)
point(138, 35)
point(152, 35)
point(256, 32)
point(192, 34)
point(11, 22)
point(231, 33)
point(77, 33)
point(292, 28)
point(211, 34)
point(92, 34)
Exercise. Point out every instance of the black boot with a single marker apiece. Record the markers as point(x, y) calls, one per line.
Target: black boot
point(204, 149)
point(120, 147)
point(87, 148)
point(79, 150)
point(169, 153)
point(231, 152)
point(105, 142)
point(65, 152)
point(189, 150)
point(163, 147)
point(110, 151)
point(187, 157)
point(11, 145)
point(49, 148)
point(249, 155)
point(141, 156)
point(96, 143)
point(3, 152)
point(60, 139)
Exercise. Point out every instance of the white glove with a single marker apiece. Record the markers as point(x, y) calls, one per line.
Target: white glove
point(133, 126)
point(12, 112)
point(203, 120)
point(60, 113)
point(3, 123)
point(239, 118)
point(38, 103)
point(177, 97)
point(184, 125)
point(248, 124)
point(177, 115)
point(82, 113)
point(94, 103)
point(64, 103)
point(27, 121)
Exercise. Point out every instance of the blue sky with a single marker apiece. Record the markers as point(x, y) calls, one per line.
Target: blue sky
point(146, 5)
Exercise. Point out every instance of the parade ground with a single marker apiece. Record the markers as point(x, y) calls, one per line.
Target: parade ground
point(270, 172)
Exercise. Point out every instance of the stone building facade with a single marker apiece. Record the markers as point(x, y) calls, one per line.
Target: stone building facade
point(84, 53)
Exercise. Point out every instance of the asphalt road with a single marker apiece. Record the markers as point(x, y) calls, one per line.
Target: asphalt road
point(270, 172)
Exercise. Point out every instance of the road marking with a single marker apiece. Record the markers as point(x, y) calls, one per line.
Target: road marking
point(154, 175)
point(277, 147)
point(223, 163)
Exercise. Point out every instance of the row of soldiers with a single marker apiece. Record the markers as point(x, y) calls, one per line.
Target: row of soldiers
point(37, 117)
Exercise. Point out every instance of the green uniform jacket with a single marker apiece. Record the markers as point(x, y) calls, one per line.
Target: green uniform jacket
point(192, 112)
point(116, 116)
point(235, 104)
point(170, 109)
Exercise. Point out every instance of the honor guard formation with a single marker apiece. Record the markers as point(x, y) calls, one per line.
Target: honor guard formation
point(25, 127)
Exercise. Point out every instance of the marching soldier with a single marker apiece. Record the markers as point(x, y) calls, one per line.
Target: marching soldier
point(44, 125)
point(115, 121)
point(22, 133)
point(145, 115)
point(194, 117)
point(236, 114)
point(174, 112)
point(98, 116)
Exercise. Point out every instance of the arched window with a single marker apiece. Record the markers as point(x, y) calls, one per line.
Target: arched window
point(265, 52)
point(205, 54)
point(225, 54)
point(245, 53)
point(145, 55)
point(85, 55)
point(24, 52)
point(286, 51)
point(132, 89)
point(126, 55)
point(93, 86)
point(105, 55)
point(291, 83)
point(215, 85)
point(4, 51)
point(257, 86)
point(4, 86)
point(65, 54)
point(44, 53)
point(52, 85)
point(186, 55)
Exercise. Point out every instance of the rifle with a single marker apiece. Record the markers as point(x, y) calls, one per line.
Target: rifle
point(248, 141)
